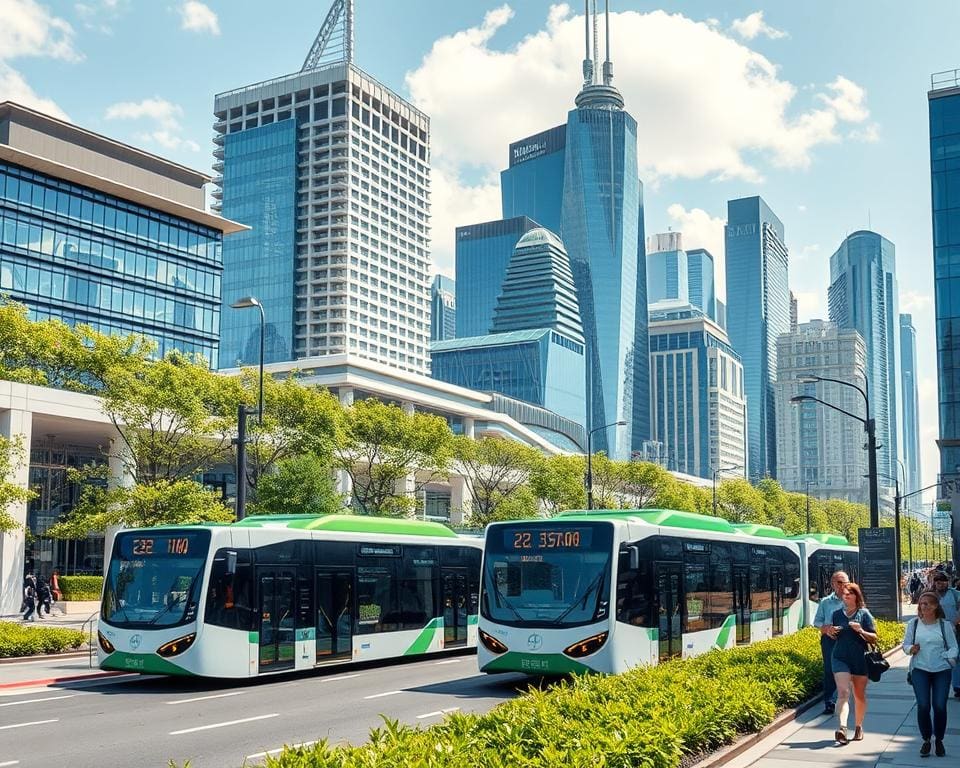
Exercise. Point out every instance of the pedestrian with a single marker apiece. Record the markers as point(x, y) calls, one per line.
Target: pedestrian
point(44, 599)
point(856, 629)
point(55, 585)
point(950, 605)
point(29, 601)
point(932, 648)
point(828, 636)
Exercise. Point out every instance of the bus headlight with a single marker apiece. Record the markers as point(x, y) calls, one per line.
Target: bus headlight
point(104, 643)
point(491, 643)
point(177, 646)
point(586, 647)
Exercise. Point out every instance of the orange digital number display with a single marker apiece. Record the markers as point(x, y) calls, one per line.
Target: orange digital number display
point(143, 546)
point(567, 538)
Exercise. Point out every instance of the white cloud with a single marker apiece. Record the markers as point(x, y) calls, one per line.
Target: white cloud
point(97, 15)
point(165, 117)
point(802, 208)
point(811, 305)
point(701, 230)
point(198, 17)
point(753, 26)
point(740, 115)
point(14, 88)
point(454, 204)
point(914, 301)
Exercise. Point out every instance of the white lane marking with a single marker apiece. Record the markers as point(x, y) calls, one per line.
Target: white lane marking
point(258, 755)
point(448, 661)
point(204, 698)
point(24, 725)
point(339, 677)
point(9, 762)
point(34, 701)
point(380, 695)
point(438, 713)
point(223, 725)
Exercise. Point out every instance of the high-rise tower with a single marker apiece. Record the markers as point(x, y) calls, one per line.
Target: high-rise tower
point(863, 295)
point(331, 169)
point(910, 408)
point(757, 266)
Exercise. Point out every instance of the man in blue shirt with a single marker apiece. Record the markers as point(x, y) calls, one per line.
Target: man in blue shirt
point(950, 603)
point(828, 637)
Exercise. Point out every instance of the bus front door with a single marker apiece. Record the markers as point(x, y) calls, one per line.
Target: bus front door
point(455, 606)
point(669, 609)
point(776, 600)
point(334, 614)
point(741, 602)
point(277, 620)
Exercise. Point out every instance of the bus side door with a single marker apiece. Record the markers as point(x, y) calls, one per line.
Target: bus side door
point(669, 606)
point(276, 593)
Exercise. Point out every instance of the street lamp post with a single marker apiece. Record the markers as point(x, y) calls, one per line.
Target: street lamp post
point(716, 472)
point(243, 411)
point(590, 458)
point(869, 426)
point(806, 486)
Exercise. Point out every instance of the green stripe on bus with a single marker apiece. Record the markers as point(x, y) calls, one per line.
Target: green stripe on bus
point(729, 625)
point(350, 524)
point(473, 619)
point(253, 637)
point(148, 663)
point(423, 641)
point(535, 664)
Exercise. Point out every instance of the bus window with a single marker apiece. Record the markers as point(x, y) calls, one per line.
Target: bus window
point(633, 592)
point(376, 597)
point(696, 605)
point(417, 587)
point(230, 596)
point(721, 583)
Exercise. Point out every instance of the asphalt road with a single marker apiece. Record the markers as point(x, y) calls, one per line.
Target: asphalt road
point(146, 722)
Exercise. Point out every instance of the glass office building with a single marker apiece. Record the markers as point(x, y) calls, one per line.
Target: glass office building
point(667, 268)
point(910, 410)
point(700, 281)
point(259, 189)
point(443, 308)
point(863, 295)
point(757, 268)
point(93, 231)
point(533, 183)
point(483, 252)
point(944, 111)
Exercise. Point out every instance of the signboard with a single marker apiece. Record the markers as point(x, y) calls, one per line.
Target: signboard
point(879, 572)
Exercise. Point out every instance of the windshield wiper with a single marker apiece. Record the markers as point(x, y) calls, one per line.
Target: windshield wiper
point(503, 598)
point(597, 582)
point(187, 595)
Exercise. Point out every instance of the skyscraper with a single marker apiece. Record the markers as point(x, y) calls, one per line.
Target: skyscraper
point(483, 252)
point(794, 313)
point(696, 392)
point(757, 269)
point(910, 416)
point(332, 171)
point(667, 269)
point(443, 308)
point(532, 185)
point(701, 281)
point(944, 109)
point(816, 446)
point(863, 295)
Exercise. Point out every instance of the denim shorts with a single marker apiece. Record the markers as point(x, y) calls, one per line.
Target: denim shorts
point(839, 665)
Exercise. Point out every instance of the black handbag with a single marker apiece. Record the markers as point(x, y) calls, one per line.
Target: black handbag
point(876, 664)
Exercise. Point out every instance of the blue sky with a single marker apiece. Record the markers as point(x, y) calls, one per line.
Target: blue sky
point(820, 107)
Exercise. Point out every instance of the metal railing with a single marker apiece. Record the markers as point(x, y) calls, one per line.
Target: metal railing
point(949, 78)
point(92, 649)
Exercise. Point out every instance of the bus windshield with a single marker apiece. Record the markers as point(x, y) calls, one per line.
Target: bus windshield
point(154, 578)
point(547, 575)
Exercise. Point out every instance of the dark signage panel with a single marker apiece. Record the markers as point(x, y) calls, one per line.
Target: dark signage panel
point(879, 572)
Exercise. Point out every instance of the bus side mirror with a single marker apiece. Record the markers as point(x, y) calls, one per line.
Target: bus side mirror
point(231, 563)
point(634, 557)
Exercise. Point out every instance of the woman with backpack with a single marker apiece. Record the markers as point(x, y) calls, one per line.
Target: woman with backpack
point(932, 646)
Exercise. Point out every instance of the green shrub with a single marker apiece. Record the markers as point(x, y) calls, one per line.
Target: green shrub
point(653, 717)
point(81, 587)
point(20, 640)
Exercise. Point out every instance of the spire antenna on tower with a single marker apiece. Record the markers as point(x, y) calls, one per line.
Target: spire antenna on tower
point(587, 59)
point(334, 42)
point(608, 64)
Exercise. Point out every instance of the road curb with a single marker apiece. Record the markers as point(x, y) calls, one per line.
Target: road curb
point(725, 754)
point(45, 657)
point(55, 680)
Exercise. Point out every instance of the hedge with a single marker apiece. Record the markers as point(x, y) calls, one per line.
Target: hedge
point(655, 717)
point(19, 640)
point(81, 587)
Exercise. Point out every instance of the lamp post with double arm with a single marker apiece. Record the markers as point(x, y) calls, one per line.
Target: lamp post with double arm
point(590, 457)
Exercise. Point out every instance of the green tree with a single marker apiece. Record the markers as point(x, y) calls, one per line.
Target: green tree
point(297, 485)
point(11, 459)
point(496, 468)
point(740, 502)
point(846, 518)
point(522, 504)
point(776, 507)
point(163, 502)
point(558, 483)
point(649, 485)
point(608, 481)
point(380, 446)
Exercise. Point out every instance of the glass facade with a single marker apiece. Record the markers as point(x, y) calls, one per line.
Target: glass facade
point(533, 184)
point(863, 295)
point(700, 282)
point(604, 239)
point(443, 308)
point(757, 274)
point(483, 253)
point(667, 276)
point(910, 418)
point(83, 256)
point(259, 190)
point(944, 105)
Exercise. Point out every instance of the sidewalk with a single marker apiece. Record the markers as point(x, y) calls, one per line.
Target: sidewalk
point(891, 737)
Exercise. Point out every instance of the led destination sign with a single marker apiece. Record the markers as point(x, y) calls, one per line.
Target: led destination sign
point(534, 539)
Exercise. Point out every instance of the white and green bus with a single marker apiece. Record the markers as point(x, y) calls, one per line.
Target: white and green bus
point(607, 590)
point(285, 592)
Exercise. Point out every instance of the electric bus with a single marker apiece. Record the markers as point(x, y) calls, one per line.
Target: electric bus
point(823, 554)
point(275, 593)
point(607, 590)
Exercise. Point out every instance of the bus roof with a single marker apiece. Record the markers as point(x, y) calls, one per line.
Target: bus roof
point(833, 539)
point(350, 524)
point(756, 529)
point(669, 518)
